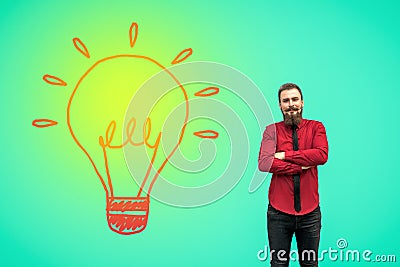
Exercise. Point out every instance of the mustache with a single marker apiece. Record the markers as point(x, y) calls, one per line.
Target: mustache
point(292, 109)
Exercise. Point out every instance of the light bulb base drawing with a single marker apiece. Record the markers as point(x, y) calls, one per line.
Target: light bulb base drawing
point(127, 215)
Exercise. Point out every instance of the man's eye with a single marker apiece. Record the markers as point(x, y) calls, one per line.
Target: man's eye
point(284, 100)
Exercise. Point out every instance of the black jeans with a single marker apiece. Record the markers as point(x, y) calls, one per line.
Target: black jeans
point(282, 226)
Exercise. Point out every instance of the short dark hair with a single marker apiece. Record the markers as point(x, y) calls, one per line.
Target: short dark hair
point(288, 86)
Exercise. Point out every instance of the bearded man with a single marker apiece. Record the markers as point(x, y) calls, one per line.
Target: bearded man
point(291, 150)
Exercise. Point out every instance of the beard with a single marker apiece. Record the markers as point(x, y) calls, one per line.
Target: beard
point(292, 119)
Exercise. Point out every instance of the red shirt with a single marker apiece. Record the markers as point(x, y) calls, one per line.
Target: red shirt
point(313, 151)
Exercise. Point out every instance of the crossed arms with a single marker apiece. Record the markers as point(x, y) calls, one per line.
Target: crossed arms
point(292, 162)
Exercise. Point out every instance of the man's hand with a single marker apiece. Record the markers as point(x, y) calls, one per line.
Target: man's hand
point(280, 155)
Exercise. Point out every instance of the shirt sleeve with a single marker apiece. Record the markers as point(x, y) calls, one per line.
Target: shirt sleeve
point(266, 158)
point(317, 155)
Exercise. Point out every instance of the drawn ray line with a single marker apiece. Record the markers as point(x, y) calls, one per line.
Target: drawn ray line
point(81, 47)
point(208, 134)
point(133, 34)
point(53, 80)
point(43, 123)
point(183, 55)
point(209, 91)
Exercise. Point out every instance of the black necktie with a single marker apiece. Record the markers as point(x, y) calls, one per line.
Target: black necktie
point(296, 177)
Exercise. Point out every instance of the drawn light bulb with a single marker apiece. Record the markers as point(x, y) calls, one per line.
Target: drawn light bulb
point(95, 118)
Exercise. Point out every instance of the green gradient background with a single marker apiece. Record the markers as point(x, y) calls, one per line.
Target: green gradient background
point(344, 54)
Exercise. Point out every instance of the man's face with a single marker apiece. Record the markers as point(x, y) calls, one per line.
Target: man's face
point(291, 106)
